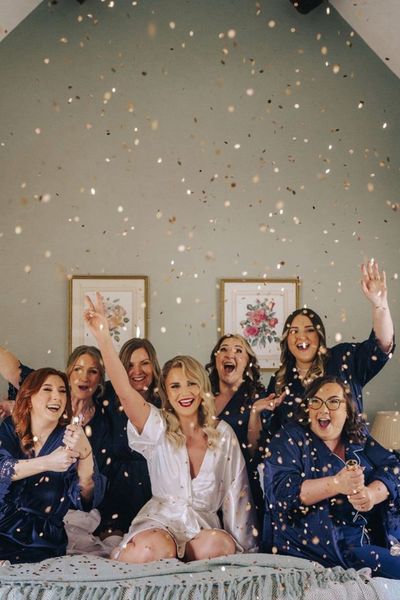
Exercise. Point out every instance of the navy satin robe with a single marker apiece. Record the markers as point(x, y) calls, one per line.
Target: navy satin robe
point(32, 509)
point(327, 531)
point(356, 364)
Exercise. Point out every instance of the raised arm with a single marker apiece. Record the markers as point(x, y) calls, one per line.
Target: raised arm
point(373, 285)
point(270, 403)
point(135, 407)
point(9, 367)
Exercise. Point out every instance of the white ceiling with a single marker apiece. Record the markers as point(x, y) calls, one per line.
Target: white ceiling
point(376, 21)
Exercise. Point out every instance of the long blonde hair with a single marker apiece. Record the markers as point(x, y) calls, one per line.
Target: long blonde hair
point(206, 413)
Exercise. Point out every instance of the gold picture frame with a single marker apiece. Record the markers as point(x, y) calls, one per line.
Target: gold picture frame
point(257, 310)
point(126, 300)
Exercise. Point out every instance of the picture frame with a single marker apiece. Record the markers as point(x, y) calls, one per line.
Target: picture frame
point(126, 300)
point(257, 310)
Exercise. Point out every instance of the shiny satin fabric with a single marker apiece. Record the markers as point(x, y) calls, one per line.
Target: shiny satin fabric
point(182, 505)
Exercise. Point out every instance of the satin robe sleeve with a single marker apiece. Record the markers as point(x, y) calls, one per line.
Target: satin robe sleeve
point(9, 455)
point(238, 513)
point(74, 490)
point(285, 471)
point(147, 440)
point(361, 360)
point(387, 468)
point(24, 372)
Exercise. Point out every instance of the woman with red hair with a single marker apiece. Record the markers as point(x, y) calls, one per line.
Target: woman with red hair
point(46, 467)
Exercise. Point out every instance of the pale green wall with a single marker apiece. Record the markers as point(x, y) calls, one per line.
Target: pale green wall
point(186, 94)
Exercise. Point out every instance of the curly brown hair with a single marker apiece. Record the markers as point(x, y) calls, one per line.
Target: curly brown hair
point(251, 375)
point(354, 427)
point(21, 414)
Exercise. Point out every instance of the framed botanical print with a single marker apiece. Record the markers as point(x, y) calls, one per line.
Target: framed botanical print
point(125, 302)
point(257, 310)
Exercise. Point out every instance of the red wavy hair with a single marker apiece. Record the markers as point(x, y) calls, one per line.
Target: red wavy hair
point(21, 414)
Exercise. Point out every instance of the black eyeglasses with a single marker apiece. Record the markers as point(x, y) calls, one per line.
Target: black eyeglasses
point(331, 404)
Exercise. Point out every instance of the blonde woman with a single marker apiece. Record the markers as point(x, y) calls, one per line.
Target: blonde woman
point(195, 463)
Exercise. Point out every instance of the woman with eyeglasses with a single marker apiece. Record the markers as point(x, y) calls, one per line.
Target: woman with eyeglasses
point(305, 355)
point(333, 492)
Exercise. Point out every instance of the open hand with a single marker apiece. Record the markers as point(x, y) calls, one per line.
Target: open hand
point(373, 283)
point(270, 403)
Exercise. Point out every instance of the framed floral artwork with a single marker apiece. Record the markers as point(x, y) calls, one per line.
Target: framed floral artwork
point(257, 309)
point(125, 300)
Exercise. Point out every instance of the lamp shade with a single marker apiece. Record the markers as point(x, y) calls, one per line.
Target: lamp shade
point(386, 429)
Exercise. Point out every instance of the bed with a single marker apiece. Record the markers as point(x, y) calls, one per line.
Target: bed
point(241, 577)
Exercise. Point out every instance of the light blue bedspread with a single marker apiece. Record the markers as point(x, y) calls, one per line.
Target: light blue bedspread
point(241, 577)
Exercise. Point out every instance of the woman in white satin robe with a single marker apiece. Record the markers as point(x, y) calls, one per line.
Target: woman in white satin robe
point(196, 466)
point(184, 506)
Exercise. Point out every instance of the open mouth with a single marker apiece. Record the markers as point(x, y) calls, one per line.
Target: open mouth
point(324, 423)
point(303, 346)
point(139, 378)
point(229, 367)
point(54, 408)
point(186, 402)
point(84, 388)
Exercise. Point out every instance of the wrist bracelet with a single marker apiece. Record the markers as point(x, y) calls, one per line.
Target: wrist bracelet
point(87, 455)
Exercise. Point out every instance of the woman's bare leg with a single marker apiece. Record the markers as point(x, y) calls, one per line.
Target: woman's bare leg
point(210, 543)
point(147, 546)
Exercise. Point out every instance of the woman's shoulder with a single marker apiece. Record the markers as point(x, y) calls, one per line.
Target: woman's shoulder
point(291, 430)
point(7, 427)
point(226, 430)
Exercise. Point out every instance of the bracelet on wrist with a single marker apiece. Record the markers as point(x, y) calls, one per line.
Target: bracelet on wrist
point(87, 455)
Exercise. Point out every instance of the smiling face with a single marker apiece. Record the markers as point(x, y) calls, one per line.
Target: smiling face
point(84, 377)
point(50, 401)
point(328, 424)
point(183, 393)
point(303, 340)
point(140, 370)
point(231, 361)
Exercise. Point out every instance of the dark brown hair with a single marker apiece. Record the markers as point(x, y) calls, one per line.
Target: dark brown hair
point(21, 414)
point(288, 361)
point(354, 427)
